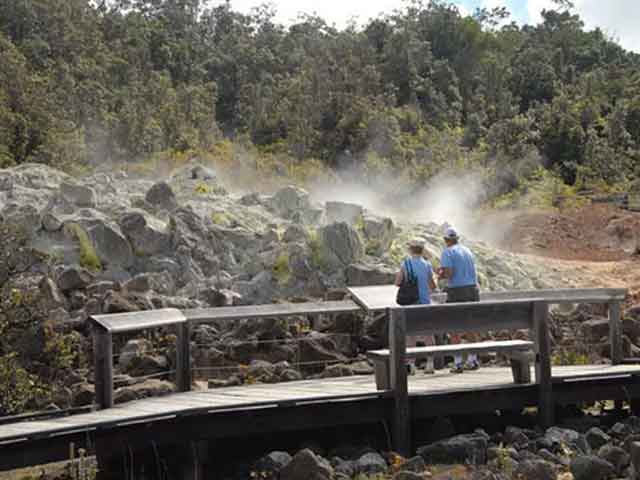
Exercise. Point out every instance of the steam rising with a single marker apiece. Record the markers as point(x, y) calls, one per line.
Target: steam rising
point(445, 199)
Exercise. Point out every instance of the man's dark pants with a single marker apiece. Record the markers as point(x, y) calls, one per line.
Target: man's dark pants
point(456, 295)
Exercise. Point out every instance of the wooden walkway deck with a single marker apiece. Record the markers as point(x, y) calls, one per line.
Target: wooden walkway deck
point(182, 420)
point(263, 396)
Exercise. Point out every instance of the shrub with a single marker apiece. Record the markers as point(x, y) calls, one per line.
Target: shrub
point(88, 256)
point(281, 269)
point(18, 388)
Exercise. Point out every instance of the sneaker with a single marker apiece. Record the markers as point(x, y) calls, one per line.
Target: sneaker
point(429, 367)
point(472, 366)
point(457, 369)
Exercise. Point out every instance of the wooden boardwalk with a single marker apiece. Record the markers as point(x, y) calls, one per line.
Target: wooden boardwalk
point(180, 422)
point(224, 400)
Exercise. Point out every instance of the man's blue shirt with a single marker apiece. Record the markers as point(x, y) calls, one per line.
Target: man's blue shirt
point(422, 272)
point(460, 260)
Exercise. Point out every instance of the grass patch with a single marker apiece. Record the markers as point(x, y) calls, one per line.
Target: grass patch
point(543, 190)
point(88, 256)
point(281, 269)
point(569, 357)
point(315, 246)
point(221, 218)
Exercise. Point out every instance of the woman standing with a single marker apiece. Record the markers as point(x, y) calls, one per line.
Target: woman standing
point(416, 268)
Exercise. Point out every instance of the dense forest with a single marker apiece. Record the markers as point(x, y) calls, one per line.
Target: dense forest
point(86, 82)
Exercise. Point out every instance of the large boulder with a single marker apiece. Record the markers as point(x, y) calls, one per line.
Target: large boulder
point(289, 201)
point(340, 245)
point(115, 302)
point(110, 245)
point(616, 456)
point(273, 462)
point(147, 236)
point(596, 438)
point(161, 196)
point(350, 213)
point(82, 394)
point(319, 347)
point(162, 283)
point(133, 349)
point(559, 438)
point(595, 329)
point(149, 388)
point(144, 365)
point(371, 464)
point(51, 222)
point(379, 233)
point(260, 289)
point(74, 278)
point(306, 465)
point(51, 294)
point(79, 195)
point(295, 234)
point(362, 274)
point(471, 448)
point(589, 467)
point(535, 470)
point(25, 216)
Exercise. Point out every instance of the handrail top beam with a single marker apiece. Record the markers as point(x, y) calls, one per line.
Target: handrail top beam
point(127, 322)
point(270, 310)
point(380, 298)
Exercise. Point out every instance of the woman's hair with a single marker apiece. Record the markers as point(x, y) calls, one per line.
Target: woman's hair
point(415, 250)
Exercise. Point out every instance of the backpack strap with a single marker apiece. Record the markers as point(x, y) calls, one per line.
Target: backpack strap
point(409, 269)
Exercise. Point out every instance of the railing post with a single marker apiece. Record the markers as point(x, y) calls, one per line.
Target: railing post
point(398, 376)
point(183, 358)
point(103, 366)
point(546, 406)
point(615, 334)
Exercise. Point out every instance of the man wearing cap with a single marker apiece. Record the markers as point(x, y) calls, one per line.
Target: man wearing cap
point(417, 267)
point(457, 266)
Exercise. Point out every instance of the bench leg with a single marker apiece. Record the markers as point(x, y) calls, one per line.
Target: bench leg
point(381, 369)
point(521, 367)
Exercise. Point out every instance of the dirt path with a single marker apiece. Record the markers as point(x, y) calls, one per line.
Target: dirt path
point(613, 274)
point(591, 247)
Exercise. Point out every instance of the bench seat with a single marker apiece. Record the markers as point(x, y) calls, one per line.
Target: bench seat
point(519, 351)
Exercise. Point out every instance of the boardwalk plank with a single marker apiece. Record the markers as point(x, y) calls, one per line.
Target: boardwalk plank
point(261, 396)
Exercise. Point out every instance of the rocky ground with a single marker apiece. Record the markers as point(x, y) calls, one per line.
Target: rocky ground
point(107, 243)
point(585, 448)
point(110, 243)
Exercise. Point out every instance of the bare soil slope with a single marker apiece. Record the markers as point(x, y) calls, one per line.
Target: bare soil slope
point(593, 233)
point(595, 246)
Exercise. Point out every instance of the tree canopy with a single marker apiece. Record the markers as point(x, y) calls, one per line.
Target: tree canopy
point(84, 82)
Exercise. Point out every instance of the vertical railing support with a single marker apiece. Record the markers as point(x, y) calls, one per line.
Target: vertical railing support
point(183, 358)
point(546, 406)
point(398, 376)
point(615, 333)
point(103, 367)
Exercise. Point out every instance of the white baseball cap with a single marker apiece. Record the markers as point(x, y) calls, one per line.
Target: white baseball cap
point(451, 234)
point(418, 242)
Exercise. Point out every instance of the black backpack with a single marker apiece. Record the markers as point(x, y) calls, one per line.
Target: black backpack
point(408, 291)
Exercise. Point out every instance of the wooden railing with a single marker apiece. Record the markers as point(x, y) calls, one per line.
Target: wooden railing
point(465, 317)
point(105, 326)
point(495, 311)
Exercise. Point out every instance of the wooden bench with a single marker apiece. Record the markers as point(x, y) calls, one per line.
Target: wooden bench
point(520, 353)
